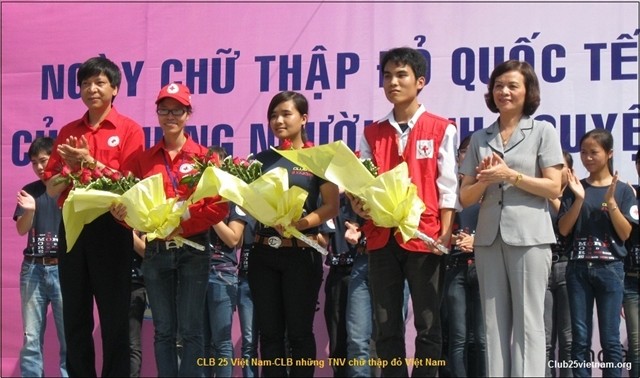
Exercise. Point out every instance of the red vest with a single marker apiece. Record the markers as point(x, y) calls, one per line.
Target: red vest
point(421, 155)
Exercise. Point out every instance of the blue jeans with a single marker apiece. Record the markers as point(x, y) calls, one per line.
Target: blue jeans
point(359, 317)
point(249, 348)
point(464, 316)
point(39, 286)
point(176, 282)
point(603, 282)
point(221, 302)
point(632, 318)
point(557, 319)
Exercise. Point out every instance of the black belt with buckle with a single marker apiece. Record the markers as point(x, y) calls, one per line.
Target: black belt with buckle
point(169, 244)
point(172, 244)
point(343, 259)
point(41, 260)
point(280, 242)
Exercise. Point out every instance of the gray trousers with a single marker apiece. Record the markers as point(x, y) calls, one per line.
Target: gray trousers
point(513, 281)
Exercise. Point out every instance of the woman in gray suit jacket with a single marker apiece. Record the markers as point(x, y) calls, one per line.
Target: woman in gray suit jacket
point(513, 167)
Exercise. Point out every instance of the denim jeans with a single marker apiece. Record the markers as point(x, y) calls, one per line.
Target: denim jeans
point(603, 282)
point(557, 319)
point(285, 283)
point(389, 267)
point(249, 348)
point(359, 317)
point(221, 302)
point(136, 315)
point(39, 286)
point(176, 281)
point(632, 318)
point(464, 316)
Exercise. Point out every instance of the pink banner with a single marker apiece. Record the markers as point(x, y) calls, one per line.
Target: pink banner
point(235, 57)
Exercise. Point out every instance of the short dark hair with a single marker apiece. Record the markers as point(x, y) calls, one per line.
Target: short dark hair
point(40, 144)
point(299, 101)
point(465, 142)
point(100, 65)
point(568, 158)
point(406, 55)
point(532, 98)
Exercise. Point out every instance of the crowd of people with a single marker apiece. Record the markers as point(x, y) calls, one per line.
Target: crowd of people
point(532, 246)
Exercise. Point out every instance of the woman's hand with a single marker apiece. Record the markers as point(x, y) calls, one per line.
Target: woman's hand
point(118, 210)
point(465, 242)
point(280, 229)
point(608, 196)
point(177, 232)
point(493, 169)
point(575, 185)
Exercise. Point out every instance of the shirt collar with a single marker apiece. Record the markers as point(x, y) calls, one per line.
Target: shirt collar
point(189, 146)
point(111, 120)
point(392, 119)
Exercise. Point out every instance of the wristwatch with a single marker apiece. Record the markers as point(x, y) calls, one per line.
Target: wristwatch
point(518, 178)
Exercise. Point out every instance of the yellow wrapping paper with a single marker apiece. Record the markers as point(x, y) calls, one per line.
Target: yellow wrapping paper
point(148, 210)
point(269, 198)
point(391, 198)
point(82, 207)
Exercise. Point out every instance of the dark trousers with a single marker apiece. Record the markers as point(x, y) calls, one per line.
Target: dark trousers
point(388, 268)
point(136, 315)
point(557, 320)
point(284, 284)
point(335, 308)
point(98, 267)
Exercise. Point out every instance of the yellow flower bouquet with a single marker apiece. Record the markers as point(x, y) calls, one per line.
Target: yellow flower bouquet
point(390, 198)
point(268, 198)
point(148, 210)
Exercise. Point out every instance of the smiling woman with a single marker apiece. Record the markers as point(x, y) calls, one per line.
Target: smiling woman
point(511, 168)
point(286, 274)
point(175, 275)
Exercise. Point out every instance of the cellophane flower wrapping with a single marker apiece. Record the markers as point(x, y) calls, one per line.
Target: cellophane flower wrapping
point(391, 198)
point(148, 210)
point(94, 190)
point(268, 198)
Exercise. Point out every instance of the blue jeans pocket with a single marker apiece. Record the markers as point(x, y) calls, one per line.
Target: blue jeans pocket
point(617, 270)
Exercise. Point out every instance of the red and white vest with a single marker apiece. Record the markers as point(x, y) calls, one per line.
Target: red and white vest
point(421, 155)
